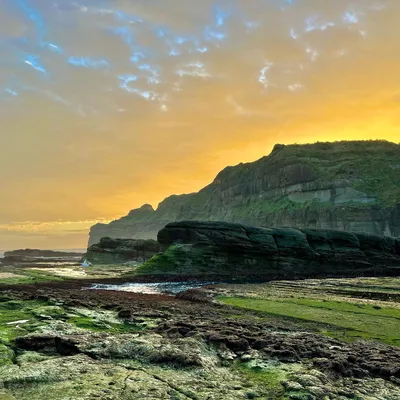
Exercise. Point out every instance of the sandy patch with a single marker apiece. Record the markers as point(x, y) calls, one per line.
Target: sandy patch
point(8, 275)
point(68, 272)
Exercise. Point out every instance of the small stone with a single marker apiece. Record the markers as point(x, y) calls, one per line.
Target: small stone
point(320, 375)
point(308, 380)
point(237, 344)
point(317, 391)
point(346, 392)
point(184, 330)
point(246, 357)
point(173, 333)
point(291, 385)
point(260, 344)
point(125, 314)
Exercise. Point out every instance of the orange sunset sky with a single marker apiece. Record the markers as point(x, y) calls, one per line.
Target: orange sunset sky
point(106, 105)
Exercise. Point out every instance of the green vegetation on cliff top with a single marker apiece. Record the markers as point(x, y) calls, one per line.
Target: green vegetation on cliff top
point(372, 167)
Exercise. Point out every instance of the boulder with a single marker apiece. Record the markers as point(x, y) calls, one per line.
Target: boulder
point(196, 295)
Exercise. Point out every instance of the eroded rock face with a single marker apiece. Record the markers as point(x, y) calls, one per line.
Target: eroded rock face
point(110, 251)
point(350, 186)
point(235, 250)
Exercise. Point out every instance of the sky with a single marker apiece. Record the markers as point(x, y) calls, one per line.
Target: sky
point(107, 105)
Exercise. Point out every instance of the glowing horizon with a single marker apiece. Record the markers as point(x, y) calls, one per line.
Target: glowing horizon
point(107, 105)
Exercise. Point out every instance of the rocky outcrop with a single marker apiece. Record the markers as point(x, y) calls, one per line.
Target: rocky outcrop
point(33, 257)
point(351, 186)
point(141, 223)
point(40, 253)
point(110, 251)
point(230, 250)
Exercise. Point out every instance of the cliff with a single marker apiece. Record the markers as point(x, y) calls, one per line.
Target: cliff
point(351, 186)
point(213, 250)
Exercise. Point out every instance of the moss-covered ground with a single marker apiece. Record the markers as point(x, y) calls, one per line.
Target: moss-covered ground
point(343, 320)
point(334, 307)
point(130, 359)
point(13, 311)
point(21, 275)
point(266, 375)
point(19, 318)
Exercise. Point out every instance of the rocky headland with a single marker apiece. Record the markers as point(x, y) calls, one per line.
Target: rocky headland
point(350, 186)
point(222, 249)
point(41, 253)
point(35, 257)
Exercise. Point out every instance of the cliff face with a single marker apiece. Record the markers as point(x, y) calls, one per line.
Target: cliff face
point(351, 186)
point(223, 249)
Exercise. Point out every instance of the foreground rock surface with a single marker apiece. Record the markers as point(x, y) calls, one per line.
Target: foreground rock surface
point(351, 186)
point(235, 250)
point(110, 251)
point(116, 346)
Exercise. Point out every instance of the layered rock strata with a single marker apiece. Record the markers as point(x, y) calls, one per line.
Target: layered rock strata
point(240, 251)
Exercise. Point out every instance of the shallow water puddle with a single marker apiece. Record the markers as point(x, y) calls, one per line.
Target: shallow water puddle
point(152, 288)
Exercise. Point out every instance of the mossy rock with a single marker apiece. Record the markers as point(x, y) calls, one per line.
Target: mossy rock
point(6, 395)
point(31, 357)
point(50, 312)
point(299, 395)
point(6, 355)
point(12, 305)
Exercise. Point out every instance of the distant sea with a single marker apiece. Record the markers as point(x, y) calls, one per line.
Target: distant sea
point(71, 250)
